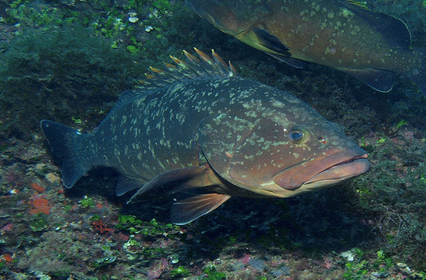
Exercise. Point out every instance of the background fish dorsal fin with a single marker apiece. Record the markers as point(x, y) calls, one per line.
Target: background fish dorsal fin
point(392, 28)
point(192, 67)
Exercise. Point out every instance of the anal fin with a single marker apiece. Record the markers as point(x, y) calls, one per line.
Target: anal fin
point(379, 80)
point(189, 209)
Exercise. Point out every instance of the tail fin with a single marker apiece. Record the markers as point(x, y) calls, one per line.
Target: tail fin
point(65, 142)
point(418, 74)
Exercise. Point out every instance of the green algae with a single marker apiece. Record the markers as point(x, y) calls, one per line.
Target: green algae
point(181, 271)
point(39, 222)
point(67, 58)
point(213, 274)
point(42, 70)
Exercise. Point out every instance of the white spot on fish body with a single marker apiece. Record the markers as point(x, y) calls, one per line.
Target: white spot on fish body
point(106, 160)
point(277, 104)
point(134, 168)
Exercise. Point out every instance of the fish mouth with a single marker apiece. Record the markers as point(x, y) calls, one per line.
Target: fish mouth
point(321, 172)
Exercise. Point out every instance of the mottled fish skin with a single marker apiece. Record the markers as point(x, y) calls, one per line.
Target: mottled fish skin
point(368, 45)
point(216, 132)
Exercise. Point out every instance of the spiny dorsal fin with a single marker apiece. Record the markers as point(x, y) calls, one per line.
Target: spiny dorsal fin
point(191, 68)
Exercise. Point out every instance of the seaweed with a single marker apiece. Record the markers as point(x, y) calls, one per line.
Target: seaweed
point(61, 72)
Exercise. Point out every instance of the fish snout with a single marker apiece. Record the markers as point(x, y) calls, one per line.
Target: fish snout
point(324, 171)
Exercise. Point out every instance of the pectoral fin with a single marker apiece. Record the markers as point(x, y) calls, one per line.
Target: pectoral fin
point(263, 40)
point(189, 180)
point(179, 176)
point(270, 42)
point(189, 209)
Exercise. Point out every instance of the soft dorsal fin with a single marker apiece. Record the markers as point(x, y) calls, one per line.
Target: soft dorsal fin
point(126, 97)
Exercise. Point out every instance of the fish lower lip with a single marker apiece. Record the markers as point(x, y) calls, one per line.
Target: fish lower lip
point(340, 172)
point(326, 171)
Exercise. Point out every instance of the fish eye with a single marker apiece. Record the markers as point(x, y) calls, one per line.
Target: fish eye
point(298, 136)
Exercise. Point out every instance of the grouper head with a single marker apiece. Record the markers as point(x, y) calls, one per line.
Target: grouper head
point(233, 17)
point(241, 19)
point(279, 146)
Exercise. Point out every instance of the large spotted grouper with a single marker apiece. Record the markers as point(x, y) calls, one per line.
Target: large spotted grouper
point(342, 34)
point(199, 129)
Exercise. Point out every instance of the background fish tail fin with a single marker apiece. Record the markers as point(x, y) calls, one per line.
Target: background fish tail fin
point(65, 142)
point(418, 74)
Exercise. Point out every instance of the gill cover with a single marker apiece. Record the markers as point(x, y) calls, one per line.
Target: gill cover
point(246, 153)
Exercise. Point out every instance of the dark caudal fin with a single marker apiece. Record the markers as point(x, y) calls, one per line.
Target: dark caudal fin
point(64, 142)
point(418, 74)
